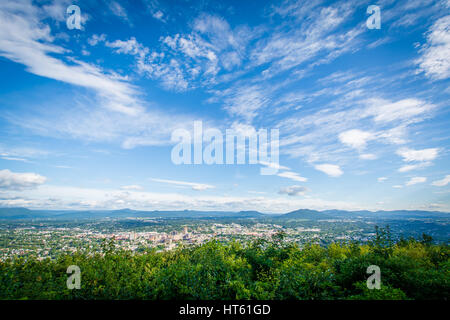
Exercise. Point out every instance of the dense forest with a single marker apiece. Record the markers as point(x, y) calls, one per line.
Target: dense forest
point(262, 269)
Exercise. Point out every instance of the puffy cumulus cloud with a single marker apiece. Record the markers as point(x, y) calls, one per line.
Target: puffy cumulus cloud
point(19, 181)
point(355, 138)
point(96, 38)
point(130, 46)
point(435, 59)
point(443, 182)
point(330, 169)
point(293, 190)
point(410, 155)
point(416, 180)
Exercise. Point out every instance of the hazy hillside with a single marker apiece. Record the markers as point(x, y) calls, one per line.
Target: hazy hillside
point(24, 213)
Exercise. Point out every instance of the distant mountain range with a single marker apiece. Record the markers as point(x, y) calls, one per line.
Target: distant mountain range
point(24, 213)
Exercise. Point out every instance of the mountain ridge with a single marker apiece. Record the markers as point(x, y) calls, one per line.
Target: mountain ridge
point(11, 213)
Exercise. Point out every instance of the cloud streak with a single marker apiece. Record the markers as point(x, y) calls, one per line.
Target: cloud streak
point(25, 40)
point(195, 186)
point(20, 181)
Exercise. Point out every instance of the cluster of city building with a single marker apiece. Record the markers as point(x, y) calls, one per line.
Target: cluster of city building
point(51, 241)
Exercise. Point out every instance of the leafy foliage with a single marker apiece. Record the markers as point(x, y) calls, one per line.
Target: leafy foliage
point(262, 269)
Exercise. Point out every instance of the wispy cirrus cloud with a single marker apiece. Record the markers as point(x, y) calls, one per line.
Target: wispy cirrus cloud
point(317, 35)
point(330, 169)
point(195, 186)
point(435, 60)
point(119, 11)
point(25, 40)
point(443, 182)
point(117, 110)
point(292, 175)
point(410, 167)
point(271, 71)
point(415, 180)
point(135, 187)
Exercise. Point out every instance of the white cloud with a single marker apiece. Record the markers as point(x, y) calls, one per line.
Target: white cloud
point(57, 9)
point(410, 167)
point(118, 10)
point(435, 59)
point(313, 135)
point(6, 156)
point(293, 190)
point(442, 183)
point(395, 135)
point(82, 121)
point(159, 15)
point(416, 180)
point(117, 112)
point(193, 185)
point(330, 169)
point(245, 101)
point(18, 181)
point(186, 61)
point(292, 175)
point(65, 197)
point(410, 155)
point(368, 156)
point(408, 110)
point(132, 187)
point(95, 39)
point(381, 179)
point(25, 40)
point(355, 138)
point(274, 165)
point(155, 10)
point(322, 38)
point(130, 46)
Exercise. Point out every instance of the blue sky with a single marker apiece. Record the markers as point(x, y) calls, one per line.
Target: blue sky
point(87, 115)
